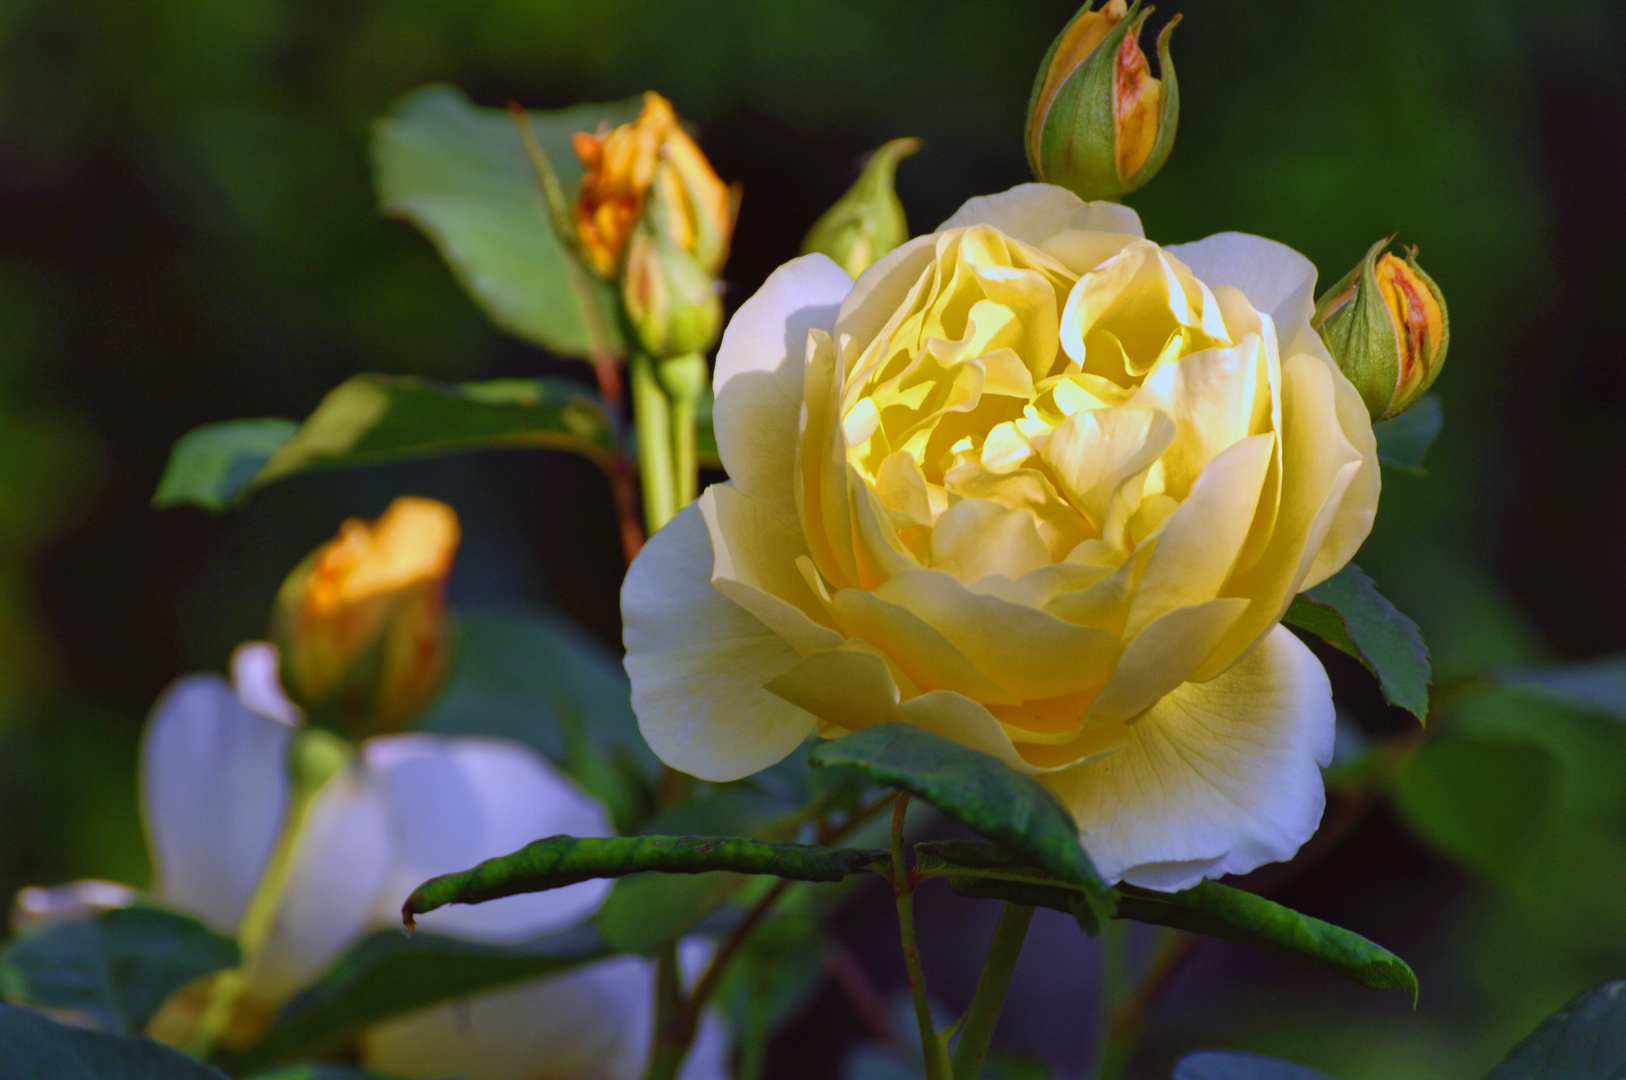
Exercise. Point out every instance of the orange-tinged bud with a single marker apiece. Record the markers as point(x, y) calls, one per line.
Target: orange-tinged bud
point(622, 167)
point(1387, 326)
point(1099, 124)
point(361, 623)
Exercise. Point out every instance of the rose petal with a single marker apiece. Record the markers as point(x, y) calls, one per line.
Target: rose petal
point(1217, 778)
point(1032, 213)
point(213, 789)
point(698, 662)
point(758, 380)
point(455, 802)
point(1276, 279)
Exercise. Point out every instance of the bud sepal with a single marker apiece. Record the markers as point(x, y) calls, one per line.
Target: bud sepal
point(1387, 327)
point(868, 221)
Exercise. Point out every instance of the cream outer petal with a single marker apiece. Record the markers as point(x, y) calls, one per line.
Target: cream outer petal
point(1217, 778)
point(1276, 280)
point(590, 1023)
point(453, 803)
point(698, 662)
point(213, 791)
point(758, 379)
point(1033, 213)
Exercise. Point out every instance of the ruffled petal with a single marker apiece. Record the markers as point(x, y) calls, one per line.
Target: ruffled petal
point(455, 802)
point(1352, 522)
point(1217, 778)
point(758, 380)
point(1033, 213)
point(213, 790)
point(1276, 279)
point(698, 662)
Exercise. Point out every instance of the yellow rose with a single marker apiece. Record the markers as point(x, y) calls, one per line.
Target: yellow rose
point(362, 622)
point(1039, 486)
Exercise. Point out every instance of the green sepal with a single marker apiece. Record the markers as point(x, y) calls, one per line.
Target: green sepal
point(1082, 155)
point(1168, 117)
point(868, 221)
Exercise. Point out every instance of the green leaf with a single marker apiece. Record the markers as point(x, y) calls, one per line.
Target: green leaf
point(978, 791)
point(1585, 1040)
point(211, 465)
point(1404, 440)
point(116, 968)
point(1485, 803)
point(372, 418)
point(1595, 686)
point(645, 912)
point(539, 679)
point(1221, 911)
point(987, 872)
point(461, 174)
point(1347, 612)
point(34, 1047)
point(1226, 1065)
point(564, 860)
point(388, 974)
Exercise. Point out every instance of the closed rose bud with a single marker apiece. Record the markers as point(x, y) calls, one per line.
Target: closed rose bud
point(622, 168)
point(868, 221)
point(361, 623)
point(670, 299)
point(1099, 124)
point(1387, 326)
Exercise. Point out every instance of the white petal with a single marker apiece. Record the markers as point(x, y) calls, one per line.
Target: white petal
point(340, 862)
point(593, 1022)
point(759, 377)
point(1276, 280)
point(213, 790)
point(455, 802)
point(1218, 777)
point(254, 675)
point(1033, 213)
point(698, 662)
point(35, 908)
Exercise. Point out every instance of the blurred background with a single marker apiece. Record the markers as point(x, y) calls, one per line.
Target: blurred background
point(188, 234)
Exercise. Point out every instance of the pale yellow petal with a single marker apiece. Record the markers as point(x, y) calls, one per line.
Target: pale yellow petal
point(1100, 459)
point(759, 377)
point(1163, 656)
point(1359, 506)
point(976, 538)
point(698, 662)
point(920, 650)
point(1028, 652)
point(1217, 778)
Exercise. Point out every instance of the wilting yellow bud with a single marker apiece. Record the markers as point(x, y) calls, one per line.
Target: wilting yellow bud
point(622, 168)
point(1387, 326)
point(361, 623)
point(1099, 124)
point(868, 221)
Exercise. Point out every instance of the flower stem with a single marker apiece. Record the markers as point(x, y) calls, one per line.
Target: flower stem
point(1128, 1014)
point(314, 757)
point(977, 1031)
point(933, 1047)
point(652, 414)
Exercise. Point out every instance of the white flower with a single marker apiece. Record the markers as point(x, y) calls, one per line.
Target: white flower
point(214, 788)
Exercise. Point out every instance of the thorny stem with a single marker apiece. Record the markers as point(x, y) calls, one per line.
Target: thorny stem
point(903, 889)
point(983, 1015)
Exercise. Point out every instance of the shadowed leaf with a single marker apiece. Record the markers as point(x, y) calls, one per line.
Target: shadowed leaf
point(1585, 1040)
point(1347, 612)
point(115, 968)
point(1227, 1065)
point(1596, 686)
point(211, 465)
point(1403, 441)
point(976, 790)
point(35, 1047)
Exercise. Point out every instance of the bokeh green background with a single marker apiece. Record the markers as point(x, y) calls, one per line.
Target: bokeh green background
point(187, 234)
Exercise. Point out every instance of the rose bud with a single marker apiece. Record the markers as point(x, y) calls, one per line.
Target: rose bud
point(622, 167)
point(670, 300)
point(361, 623)
point(868, 221)
point(1387, 326)
point(1098, 123)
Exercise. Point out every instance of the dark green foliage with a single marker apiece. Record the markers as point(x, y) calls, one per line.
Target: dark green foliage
point(35, 1047)
point(116, 968)
point(1348, 613)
